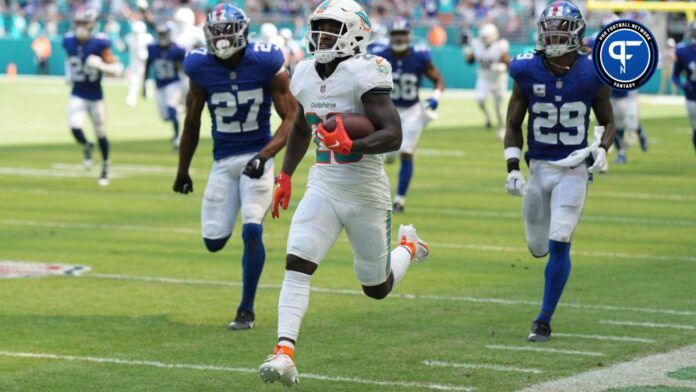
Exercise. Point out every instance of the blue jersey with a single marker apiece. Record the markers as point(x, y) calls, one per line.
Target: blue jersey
point(86, 80)
point(558, 106)
point(686, 62)
point(407, 73)
point(166, 62)
point(239, 99)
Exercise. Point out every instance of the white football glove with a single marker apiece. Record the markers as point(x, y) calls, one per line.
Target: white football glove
point(600, 160)
point(515, 184)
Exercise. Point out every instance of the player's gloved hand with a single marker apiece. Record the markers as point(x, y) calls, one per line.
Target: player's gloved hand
point(255, 167)
point(338, 140)
point(432, 103)
point(515, 184)
point(183, 183)
point(281, 197)
point(600, 160)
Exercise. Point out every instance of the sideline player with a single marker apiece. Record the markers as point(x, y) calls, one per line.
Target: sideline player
point(558, 87)
point(347, 187)
point(492, 55)
point(409, 64)
point(167, 58)
point(89, 56)
point(238, 81)
point(686, 63)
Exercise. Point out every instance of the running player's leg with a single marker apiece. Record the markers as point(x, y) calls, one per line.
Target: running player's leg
point(482, 91)
point(412, 124)
point(633, 120)
point(619, 105)
point(567, 201)
point(173, 94)
point(97, 112)
point(220, 205)
point(77, 110)
point(537, 211)
point(255, 198)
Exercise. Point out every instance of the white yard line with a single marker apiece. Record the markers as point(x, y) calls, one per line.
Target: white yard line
point(38, 172)
point(486, 366)
point(490, 248)
point(436, 152)
point(640, 372)
point(543, 350)
point(163, 365)
point(648, 324)
point(496, 301)
point(603, 337)
point(121, 168)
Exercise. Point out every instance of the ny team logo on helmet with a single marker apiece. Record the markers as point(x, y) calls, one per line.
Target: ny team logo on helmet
point(400, 24)
point(353, 34)
point(400, 34)
point(561, 28)
point(226, 30)
point(625, 54)
point(84, 20)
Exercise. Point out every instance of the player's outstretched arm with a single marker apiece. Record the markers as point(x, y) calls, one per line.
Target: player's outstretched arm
point(286, 107)
point(195, 102)
point(676, 74)
point(298, 142)
point(432, 73)
point(605, 116)
point(381, 111)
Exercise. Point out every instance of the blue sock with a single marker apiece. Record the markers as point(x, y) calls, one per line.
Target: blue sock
point(618, 140)
point(104, 148)
point(174, 118)
point(252, 263)
point(640, 132)
point(693, 138)
point(79, 135)
point(557, 272)
point(405, 175)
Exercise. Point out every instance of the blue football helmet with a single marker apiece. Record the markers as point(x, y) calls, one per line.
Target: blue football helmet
point(226, 30)
point(84, 21)
point(399, 34)
point(561, 29)
point(164, 34)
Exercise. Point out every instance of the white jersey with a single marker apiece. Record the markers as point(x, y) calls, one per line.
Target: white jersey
point(137, 48)
point(489, 58)
point(190, 37)
point(356, 178)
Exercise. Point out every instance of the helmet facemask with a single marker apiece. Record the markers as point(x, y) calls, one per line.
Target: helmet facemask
point(559, 35)
point(225, 38)
point(399, 40)
point(164, 36)
point(324, 40)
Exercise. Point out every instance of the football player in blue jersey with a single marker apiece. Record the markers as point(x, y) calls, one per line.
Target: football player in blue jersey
point(409, 64)
point(238, 81)
point(686, 63)
point(88, 57)
point(167, 58)
point(558, 87)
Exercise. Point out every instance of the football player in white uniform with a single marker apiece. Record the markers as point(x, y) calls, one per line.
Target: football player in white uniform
point(347, 187)
point(137, 41)
point(492, 55)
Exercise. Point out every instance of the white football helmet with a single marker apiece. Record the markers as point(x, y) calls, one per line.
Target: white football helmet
point(268, 32)
point(488, 34)
point(184, 16)
point(351, 37)
point(138, 27)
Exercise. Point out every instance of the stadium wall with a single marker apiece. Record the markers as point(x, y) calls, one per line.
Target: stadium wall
point(448, 59)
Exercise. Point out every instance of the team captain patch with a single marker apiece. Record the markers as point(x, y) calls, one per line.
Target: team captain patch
point(22, 269)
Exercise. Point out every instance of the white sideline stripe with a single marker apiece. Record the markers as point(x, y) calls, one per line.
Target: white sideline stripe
point(603, 337)
point(497, 301)
point(163, 365)
point(123, 167)
point(645, 196)
point(182, 230)
point(543, 350)
point(648, 324)
point(38, 172)
point(639, 372)
point(518, 215)
point(436, 152)
point(485, 366)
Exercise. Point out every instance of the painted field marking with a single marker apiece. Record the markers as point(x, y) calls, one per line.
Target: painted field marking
point(543, 350)
point(643, 372)
point(38, 172)
point(648, 324)
point(497, 301)
point(603, 337)
point(489, 248)
point(164, 365)
point(122, 167)
point(436, 152)
point(485, 366)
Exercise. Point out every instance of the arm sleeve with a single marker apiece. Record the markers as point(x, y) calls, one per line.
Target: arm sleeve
point(376, 73)
point(677, 70)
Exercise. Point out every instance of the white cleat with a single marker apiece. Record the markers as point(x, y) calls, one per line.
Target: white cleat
point(104, 178)
point(279, 367)
point(409, 238)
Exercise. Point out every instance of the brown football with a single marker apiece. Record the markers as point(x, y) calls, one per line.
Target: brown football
point(357, 125)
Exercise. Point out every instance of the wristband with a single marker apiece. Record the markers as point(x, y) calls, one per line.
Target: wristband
point(437, 94)
point(512, 153)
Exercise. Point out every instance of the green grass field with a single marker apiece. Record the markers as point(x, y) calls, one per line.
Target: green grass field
point(152, 312)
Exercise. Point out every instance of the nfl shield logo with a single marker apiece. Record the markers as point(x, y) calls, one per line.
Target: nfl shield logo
point(322, 88)
point(539, 90)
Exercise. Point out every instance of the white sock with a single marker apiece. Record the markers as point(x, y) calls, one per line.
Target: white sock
point(293, 303)
point(400, 260)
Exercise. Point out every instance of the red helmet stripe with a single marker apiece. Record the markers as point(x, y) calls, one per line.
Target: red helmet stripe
point(218, 11)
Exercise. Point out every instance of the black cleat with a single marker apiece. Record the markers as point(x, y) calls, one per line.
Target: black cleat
point(244, 320)
point(397, 208)
point(105, 177)
point(541, 332)
point(643, 142)
point(87, 159)
point(489, 125)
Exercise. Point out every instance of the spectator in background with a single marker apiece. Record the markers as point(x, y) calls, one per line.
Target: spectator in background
point(667, 59)
point(18, 24)
point(431, 8)
point(41, 47)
